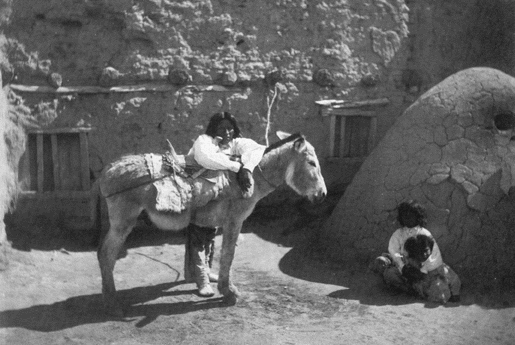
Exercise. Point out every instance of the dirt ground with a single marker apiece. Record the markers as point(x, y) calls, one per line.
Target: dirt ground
point(290, 295)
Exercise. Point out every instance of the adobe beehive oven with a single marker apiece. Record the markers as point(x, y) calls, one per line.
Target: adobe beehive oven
point(454, 151)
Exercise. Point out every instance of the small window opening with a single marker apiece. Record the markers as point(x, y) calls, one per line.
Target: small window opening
point(351, 136)
point(55, 161)
point(352, 126)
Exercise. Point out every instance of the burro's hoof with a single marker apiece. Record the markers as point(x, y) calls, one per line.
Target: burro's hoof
point(230, 299)
point(230, 294)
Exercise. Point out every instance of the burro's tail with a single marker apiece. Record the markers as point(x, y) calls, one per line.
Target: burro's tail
point(96, 206)
point(118, 177)
point(95, 190)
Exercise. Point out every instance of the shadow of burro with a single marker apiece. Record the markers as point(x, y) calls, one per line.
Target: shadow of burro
point(88, 309)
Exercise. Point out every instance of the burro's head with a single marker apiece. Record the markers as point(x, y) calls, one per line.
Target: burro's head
point(303, 172)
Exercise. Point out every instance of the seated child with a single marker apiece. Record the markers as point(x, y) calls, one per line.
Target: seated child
point(412, 218)
point(441, 284)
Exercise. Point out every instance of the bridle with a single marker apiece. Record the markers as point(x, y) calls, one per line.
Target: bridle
point(267, 180)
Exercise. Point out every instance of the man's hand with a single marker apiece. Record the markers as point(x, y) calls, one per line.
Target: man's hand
point(235, 158)
point(245, 181)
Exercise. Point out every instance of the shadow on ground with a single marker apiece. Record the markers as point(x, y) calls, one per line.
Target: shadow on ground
point(46, 236)
point(294, 225)
point(62, 315)
point(307, 261)
point(297, 225)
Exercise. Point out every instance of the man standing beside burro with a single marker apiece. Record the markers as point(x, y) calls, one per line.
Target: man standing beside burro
point(221, 148)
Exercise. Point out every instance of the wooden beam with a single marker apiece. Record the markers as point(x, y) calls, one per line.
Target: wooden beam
point(40, 160)
point(372, 135)
point(58, 194)
point(326, 102)
point(25, 168)
point(380, 102)
point(55, 162)
point(332, 136)
point(60, 130)
point(342, 136)
point(347, 112)
point(336, 103)
point(84, 161)
point(149, 87)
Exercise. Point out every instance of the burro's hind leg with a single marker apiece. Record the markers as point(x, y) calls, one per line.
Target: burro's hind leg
point(122, 218)
point(225, 284)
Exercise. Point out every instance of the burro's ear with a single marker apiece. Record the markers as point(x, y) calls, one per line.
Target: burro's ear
point(282, 135)
point(299, 144)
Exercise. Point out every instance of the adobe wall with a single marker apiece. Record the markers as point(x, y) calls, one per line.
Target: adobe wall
point(12, 145)
point(449, 36)
point(232, 55)
point(349, 50)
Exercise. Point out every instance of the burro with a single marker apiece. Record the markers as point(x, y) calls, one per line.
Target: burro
point(128, 191)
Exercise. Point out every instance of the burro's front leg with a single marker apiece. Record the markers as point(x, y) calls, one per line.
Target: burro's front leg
point(225, 285)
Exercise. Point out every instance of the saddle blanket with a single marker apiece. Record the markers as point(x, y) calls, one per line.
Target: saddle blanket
point(176, 193)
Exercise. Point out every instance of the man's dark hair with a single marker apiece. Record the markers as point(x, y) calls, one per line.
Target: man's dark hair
point(215, 121)
point(411, 214)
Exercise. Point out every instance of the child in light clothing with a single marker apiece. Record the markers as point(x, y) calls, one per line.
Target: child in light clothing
point(394, 266)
